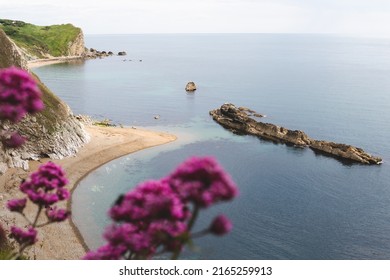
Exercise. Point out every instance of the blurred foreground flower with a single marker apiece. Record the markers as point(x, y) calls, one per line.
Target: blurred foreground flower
point(46, 186)
point(19, 94)
point(24, 237)
point(43, 188)
point(158, 216)
point(221, 225)
point(15, 140)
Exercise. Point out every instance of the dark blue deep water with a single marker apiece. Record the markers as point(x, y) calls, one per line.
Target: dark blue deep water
point(294, 204)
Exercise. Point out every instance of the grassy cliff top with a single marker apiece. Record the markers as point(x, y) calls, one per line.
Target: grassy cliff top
point(39, 40)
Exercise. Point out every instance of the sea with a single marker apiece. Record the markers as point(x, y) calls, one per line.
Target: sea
point(293, 203)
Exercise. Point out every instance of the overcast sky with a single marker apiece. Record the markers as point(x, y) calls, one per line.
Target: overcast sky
point(358, 17)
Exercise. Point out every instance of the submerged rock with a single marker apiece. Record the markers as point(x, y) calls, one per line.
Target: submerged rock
point(238, 120)
point(190, 86)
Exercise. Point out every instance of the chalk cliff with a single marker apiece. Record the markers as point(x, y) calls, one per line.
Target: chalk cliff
point(53, 133)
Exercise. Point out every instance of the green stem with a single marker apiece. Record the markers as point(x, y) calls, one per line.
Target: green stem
point(200, 233)
point(34, 224)
point(36, 218)
point(27, 219)
point(42, 225)
point(195, 214)
point(193, 218)
point(20, 253)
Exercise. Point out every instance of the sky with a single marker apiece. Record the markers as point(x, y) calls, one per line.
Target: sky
point(355, 17)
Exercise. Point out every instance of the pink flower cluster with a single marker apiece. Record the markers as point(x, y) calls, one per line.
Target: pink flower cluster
point(24, 237)
point(160, 214)
point(203, 182)
point(46, 186)
point(19, 94)
point(17, 205)
point(15, 140)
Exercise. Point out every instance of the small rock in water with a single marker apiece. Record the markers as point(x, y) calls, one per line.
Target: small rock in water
point(190, 86)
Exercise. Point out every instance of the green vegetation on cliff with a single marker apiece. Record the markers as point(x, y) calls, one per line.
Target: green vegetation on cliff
point(55, 110)
point(40, 40)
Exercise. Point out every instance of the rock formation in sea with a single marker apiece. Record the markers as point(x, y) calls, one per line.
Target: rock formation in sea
point(93, 53)
point(190, 86)
point(239, 120)
point(55, 132)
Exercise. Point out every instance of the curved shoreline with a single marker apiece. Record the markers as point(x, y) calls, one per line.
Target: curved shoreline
point(134, 140)
point(63, 241)
point(168, 137)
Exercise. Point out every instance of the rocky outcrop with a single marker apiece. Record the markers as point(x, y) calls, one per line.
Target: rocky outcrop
point(10, 54)
point(77, 46)
point(190, 86)
point(53, 133)
point(239, 120)
point(123, 53)
point(93, 53)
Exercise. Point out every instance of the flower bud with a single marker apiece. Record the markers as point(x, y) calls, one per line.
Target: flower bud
point(220, 225)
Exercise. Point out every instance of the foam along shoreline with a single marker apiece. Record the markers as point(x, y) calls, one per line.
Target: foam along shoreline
point(63, 240)
point(48, 61)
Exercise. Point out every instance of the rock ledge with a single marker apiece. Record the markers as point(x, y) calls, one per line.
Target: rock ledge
point(239, 120)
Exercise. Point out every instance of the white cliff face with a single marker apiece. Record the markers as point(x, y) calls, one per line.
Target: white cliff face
point(10, 54)
point(53, 133)
point(77, 47)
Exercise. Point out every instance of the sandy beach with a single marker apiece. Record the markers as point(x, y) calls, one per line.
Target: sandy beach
point(62, 240)
point(47, 61)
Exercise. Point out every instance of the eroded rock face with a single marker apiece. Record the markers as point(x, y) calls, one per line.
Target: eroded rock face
point(10, 54)
point(77, 46)
point(53, 133)
point(190, 86)
point(239, 120)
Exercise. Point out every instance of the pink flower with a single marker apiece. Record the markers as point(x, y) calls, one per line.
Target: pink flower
point(163, 229)
point(157, 215)
point(130, 236)
point(57, 215)
point(17, 205)
point(28, 237)
point(19, 94)
point(202, 181)
point(106, 252)
point(220, 225)
point(149, 201)
point(46, 186)
point(15, 141)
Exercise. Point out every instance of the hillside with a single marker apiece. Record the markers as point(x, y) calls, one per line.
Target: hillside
point(45, 41)
point(53, 133)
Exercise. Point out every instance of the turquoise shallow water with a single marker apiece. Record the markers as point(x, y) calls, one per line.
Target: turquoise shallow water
point(294, 204)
